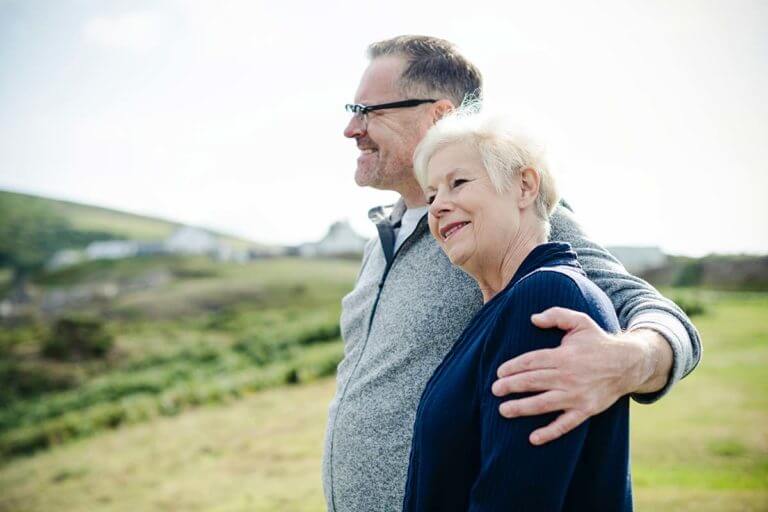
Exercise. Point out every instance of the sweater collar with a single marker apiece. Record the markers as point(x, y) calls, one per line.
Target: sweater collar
point(551, 254)
point(392, 213)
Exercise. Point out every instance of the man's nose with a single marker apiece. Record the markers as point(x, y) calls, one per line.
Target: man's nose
point(354, 128)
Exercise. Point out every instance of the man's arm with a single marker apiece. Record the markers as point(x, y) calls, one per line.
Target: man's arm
point(659, 347)
point(638, 305)
point(657, 361)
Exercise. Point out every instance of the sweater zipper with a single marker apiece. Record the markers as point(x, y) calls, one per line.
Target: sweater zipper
point(362, 352)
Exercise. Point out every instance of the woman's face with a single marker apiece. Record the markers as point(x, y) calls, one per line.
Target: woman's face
point(473, 223)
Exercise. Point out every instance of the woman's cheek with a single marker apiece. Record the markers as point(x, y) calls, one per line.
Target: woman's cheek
point(433, 227)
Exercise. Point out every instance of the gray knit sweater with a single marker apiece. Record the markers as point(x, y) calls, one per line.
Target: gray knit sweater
point(398, 325)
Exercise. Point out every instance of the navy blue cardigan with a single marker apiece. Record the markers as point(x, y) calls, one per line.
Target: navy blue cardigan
point(466, 456)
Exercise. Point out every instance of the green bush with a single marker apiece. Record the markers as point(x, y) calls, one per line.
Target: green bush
point(691, 305)
point(21, 380)
point(14, 336)
point(77, 338)
point(690, 274)
point(292, 376)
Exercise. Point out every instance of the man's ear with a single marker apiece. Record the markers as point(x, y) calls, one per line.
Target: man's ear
point(440, 108)
point(530, 181)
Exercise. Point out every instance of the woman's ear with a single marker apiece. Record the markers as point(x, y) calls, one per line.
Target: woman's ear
point(530, 181)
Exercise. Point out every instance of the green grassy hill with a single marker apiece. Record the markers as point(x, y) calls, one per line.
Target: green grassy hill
point(121, 225)
point(93, 218)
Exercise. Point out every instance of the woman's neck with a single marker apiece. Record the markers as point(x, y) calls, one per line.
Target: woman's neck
point(494, 275)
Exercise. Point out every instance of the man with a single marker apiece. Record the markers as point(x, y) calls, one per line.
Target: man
point(409, 304)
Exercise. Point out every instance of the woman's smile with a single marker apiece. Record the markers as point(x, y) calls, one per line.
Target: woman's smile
point(451, 229)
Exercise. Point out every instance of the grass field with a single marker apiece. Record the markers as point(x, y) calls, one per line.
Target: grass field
point(703, 448)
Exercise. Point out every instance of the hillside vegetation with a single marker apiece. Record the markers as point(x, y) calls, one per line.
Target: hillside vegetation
point(717, 272)
point(84, 217)
point(33, 228)
point(703, 448)
point(207, 333)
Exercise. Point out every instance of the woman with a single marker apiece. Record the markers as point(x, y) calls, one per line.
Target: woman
point(490, 197)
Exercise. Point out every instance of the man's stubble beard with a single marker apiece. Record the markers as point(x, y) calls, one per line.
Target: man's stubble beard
point(391, 175)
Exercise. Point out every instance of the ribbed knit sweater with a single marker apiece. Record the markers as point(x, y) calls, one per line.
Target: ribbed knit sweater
point(466, 457)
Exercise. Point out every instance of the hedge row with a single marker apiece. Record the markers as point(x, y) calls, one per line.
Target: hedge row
point(207, 362)
point(307, 364)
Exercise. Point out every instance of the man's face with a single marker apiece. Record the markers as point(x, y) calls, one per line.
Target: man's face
point(387, 143)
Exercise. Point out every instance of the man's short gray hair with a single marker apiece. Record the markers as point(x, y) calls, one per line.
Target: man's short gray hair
point(434, 67)
point(503, 151)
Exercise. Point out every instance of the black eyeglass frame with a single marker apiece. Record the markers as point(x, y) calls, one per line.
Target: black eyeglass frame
point(358, 109)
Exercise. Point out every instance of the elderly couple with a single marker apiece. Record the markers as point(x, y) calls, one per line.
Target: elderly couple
point(490, 347)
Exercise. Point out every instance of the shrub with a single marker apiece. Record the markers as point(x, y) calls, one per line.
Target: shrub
point(76, 338)
point(292, 376)
point(14, 336)
point(692, 306)
point(690, 274)
point(19, 380)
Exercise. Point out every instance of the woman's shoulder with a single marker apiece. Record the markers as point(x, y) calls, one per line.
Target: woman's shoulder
point(555, 279)
point(513, 333)
point(562, 286)
point(552, 281)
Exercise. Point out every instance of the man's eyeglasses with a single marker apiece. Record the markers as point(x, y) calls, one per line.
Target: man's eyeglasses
point(361, 111)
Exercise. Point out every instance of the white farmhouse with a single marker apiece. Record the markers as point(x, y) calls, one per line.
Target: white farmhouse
point(341, 240)
point(111, 249)
point(65, 258)
point(190, 240)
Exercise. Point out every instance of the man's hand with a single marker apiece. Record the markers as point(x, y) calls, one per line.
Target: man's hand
point(585, 375)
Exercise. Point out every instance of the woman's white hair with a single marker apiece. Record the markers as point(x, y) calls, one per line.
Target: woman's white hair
point(503, 151)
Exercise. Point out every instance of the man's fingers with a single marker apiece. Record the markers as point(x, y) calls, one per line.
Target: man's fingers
point(564, 423)
point(536, 360)
point(532, 405)
point(536, 380)
point(562, 318)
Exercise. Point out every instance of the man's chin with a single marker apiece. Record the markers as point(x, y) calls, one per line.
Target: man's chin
point(360, 180)
point(364, 178)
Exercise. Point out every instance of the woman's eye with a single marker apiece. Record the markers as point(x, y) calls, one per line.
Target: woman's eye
point(430, 199)
point(458, 182)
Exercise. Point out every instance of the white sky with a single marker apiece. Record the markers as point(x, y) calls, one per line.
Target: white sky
point(230, 114)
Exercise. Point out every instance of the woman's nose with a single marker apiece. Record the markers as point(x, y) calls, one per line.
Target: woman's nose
point(439, 205)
